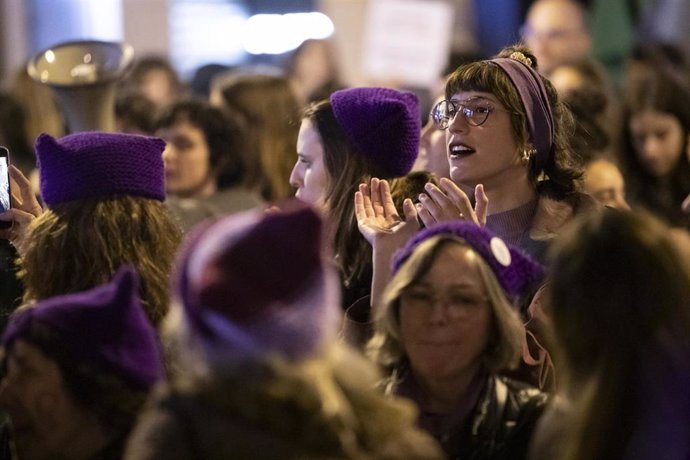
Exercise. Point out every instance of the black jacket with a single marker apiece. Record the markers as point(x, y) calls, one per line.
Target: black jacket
point(500, 425)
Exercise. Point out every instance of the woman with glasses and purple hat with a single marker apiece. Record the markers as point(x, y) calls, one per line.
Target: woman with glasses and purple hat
point(448, 324)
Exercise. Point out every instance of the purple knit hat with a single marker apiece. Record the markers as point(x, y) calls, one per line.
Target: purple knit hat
point(514, 270)
point(104, 328)
point(94, 164)
point(384, 124)
point(255, 282)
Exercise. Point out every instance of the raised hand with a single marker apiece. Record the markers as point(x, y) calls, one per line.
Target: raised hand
point(379, 222)
point(377, 217)
point(25, 208)
point(450, 203)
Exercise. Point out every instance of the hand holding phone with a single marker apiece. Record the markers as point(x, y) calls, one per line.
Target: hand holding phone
point(5, 193)
point(24, 209)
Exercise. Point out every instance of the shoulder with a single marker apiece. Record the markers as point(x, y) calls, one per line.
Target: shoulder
point(520, 399)
point(522, 395)
point(159, 433)
point(552, 214)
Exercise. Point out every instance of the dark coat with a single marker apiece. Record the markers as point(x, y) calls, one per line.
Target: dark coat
point(499, 426)
point(273, 411)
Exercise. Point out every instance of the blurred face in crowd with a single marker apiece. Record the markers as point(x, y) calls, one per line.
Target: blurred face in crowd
point(604, 182)
point(46, 421)
point(445, 317)
point(433, 156)
point(187, 161)
point(309, 174)
point(484, 154)
point(556, 33)
point(658, 140)
point(566, 79)
point(158, 87)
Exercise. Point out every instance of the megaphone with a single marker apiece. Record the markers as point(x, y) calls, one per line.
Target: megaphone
point(83, 75)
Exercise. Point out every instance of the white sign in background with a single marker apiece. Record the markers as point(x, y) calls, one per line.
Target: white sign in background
point(407, 41)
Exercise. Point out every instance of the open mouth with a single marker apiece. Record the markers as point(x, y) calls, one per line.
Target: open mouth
point(458, 150)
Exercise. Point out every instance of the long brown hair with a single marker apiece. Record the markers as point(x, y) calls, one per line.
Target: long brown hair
point(271, 115)
point(78, 245)
point(619, 300)
point(346, 169)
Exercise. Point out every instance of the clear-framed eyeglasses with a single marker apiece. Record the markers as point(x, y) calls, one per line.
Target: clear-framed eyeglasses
point(475, 111)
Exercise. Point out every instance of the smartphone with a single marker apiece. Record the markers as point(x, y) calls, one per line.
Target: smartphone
point(5, 195)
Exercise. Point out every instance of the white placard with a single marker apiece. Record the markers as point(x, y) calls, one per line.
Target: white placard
point(407, 41)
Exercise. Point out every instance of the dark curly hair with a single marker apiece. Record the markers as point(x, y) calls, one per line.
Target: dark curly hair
point(223, 132)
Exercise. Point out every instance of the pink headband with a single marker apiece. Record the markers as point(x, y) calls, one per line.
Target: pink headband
point(535, 99)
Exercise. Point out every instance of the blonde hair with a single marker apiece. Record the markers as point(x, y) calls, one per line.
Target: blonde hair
point(79, 245)
point(386, 346)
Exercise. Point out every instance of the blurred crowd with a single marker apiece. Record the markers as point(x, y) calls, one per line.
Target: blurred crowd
point(266, 263)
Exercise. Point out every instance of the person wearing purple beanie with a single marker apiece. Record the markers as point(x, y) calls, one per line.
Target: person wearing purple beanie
point(104, 195)
point(447, 327)
point(356, 134)
point(77, 371)
point(254, 327)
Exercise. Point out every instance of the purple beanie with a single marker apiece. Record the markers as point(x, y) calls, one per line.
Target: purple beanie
point(104, 328)
point(258, 281)
point(384, 124)
point(94, 164)
point(514, 270)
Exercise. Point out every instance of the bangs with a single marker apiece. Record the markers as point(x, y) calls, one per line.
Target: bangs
point(477, 76)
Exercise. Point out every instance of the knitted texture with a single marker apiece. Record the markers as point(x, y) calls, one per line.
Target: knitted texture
point(514, 270)
point(383, 124)
point(100, 165)
point(104, 328)
point(255, 282)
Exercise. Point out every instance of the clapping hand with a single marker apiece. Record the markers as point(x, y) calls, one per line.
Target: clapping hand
point(450, 203)
point(378, 219)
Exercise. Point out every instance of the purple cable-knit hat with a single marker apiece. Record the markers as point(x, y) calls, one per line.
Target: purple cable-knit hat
point(104, 328)
point(95, 164)
point(384, 124)
point(514, 270)
point(255, 282)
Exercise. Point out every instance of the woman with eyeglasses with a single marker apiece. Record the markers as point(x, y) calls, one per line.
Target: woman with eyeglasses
point(507, 138)
point(447, 326)
point(506, 134)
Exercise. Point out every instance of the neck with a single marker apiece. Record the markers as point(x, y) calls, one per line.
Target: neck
point(204, 190)
point(509, 193)
point(444, 395)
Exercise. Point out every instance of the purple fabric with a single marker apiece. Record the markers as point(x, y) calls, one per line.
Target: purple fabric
point(264, 275)
point(383, 124)
point(515, 273)
point(100, 165)
point(535, 99)
point(105, 328)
